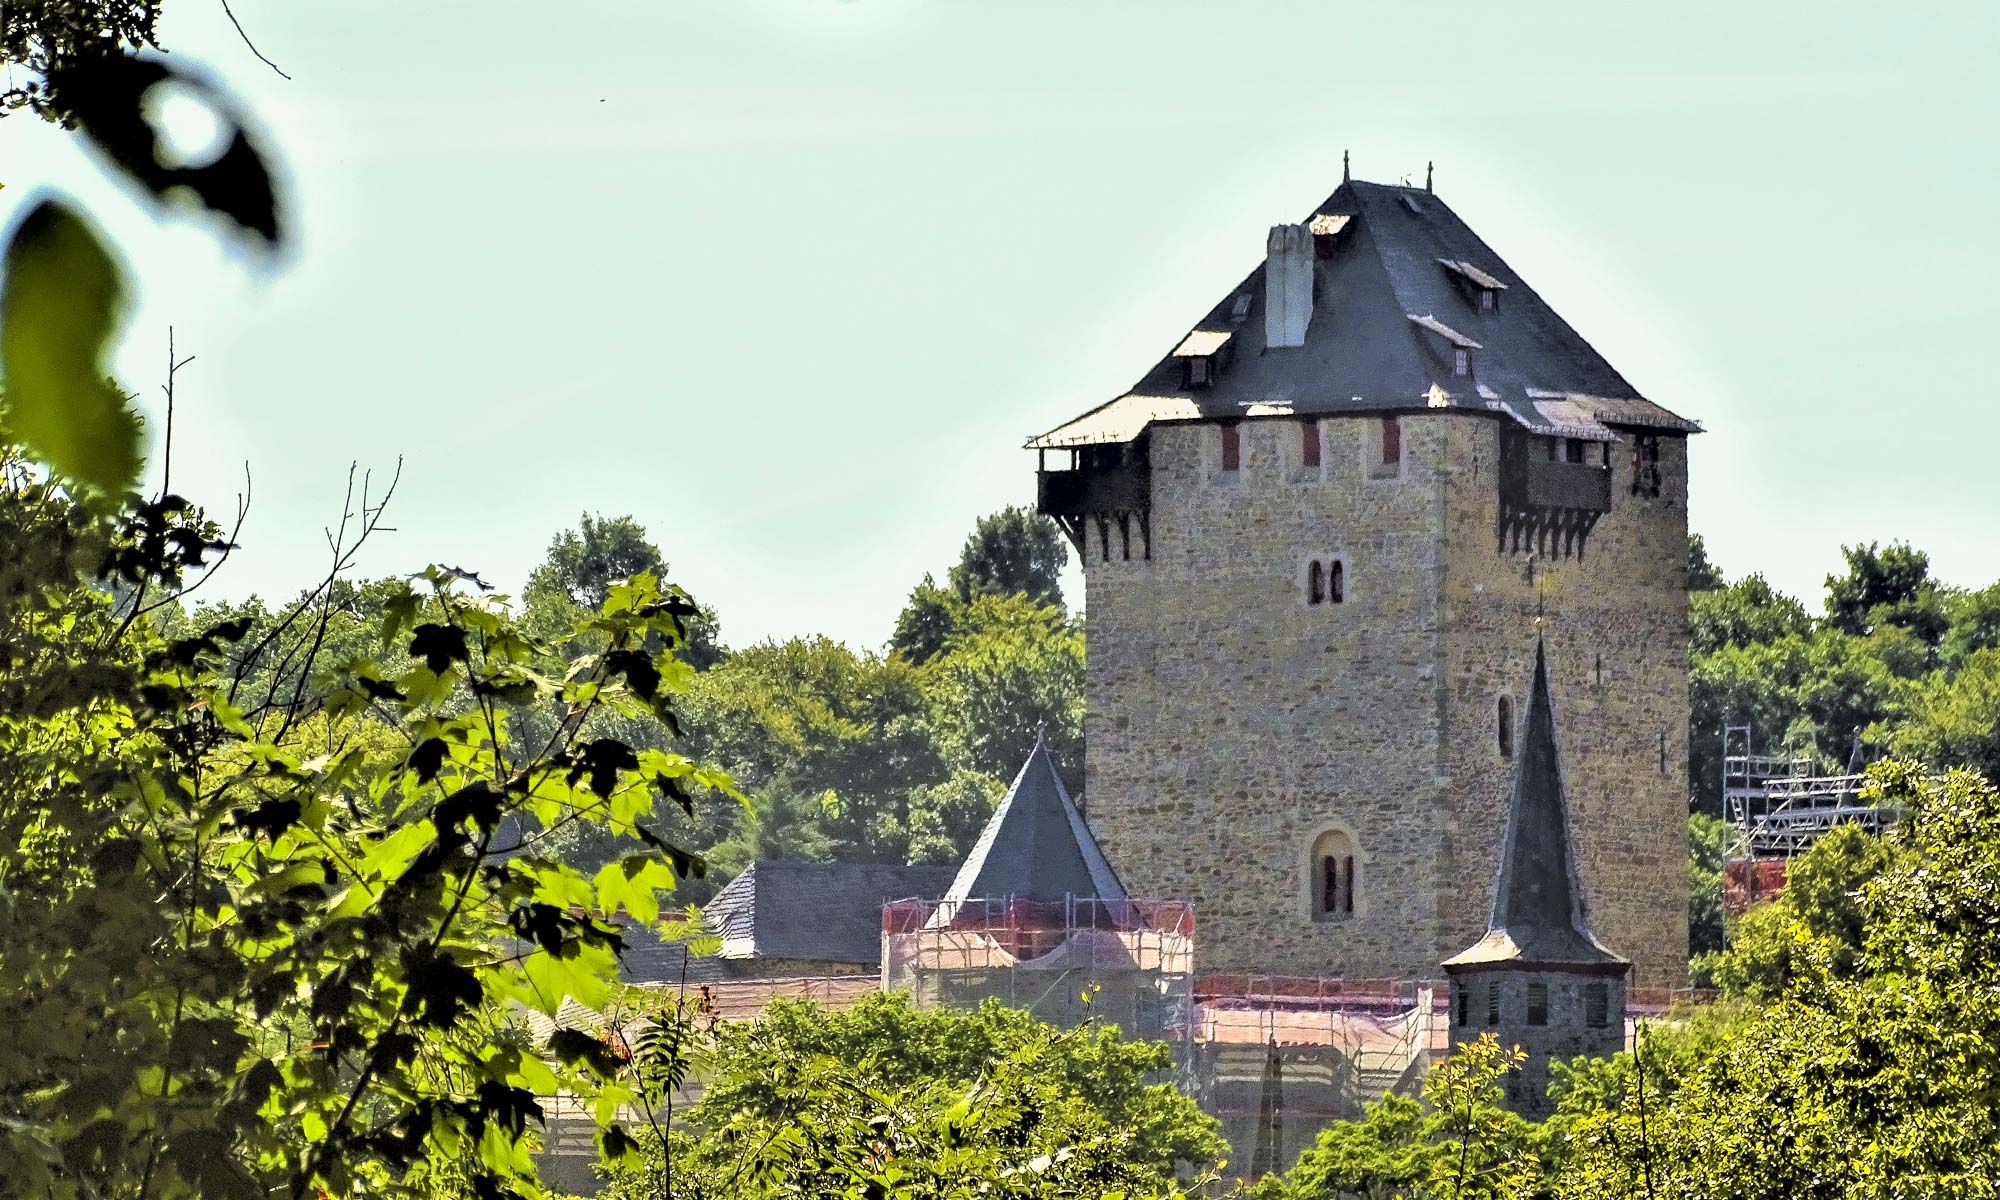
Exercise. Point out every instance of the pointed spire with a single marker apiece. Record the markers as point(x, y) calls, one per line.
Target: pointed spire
point(1538, 912)
point(1428, 168)
point(1036, 846)
point(1346, 175)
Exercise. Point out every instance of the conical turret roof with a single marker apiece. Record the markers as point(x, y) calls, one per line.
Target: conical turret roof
point(1036, 846)
point(1538, 911)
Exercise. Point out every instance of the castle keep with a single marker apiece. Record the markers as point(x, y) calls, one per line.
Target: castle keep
point(1316, 538)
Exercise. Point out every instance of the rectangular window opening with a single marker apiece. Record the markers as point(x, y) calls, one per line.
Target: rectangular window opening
point(1538, 1004)
point(1493, 1002)
point(1347, 884)
point(1463, 1003)
point(1232, 448)
point(1392, 441)
point(1597, 1005)
point(1309, 444)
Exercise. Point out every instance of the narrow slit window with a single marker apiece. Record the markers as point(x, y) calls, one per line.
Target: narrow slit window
point(1347, 884)
point(1316, 583)
point(1309, 444)
point(1462, 1006)
point(1504, 726)
point(1232, 448)
point(1493, 1002)
point(1392, 441)
point(1538, 1004)
point(1329, 884)
point(1336, 583)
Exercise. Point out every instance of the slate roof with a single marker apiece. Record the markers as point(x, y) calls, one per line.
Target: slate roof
point(1403, 255)
point(828, 912)
point(1538, 912)
point(1035, 846)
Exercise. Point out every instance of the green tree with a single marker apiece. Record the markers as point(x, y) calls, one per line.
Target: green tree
point(1012, 671)
point(1015, 551)
point(1456, 1144)
point(927, 621)
point(1748, 612)
point(1819, 913)
point(1953, 719)
point(268, 953)
point(585, 563)
point(885, 1098)
point(1708, 842)
point(1885, 586)
point(1874, 1079)
point(1702, 575)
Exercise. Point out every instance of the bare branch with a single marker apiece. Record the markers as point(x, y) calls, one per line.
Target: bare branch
point(253, 46)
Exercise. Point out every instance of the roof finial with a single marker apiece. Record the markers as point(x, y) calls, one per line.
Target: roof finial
point(1428, 168)
point(1345, 176)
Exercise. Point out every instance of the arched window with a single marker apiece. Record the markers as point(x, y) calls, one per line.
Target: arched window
point(1336, 582)
point(1504, 726)
point(1315, 583)
point(1333, 862)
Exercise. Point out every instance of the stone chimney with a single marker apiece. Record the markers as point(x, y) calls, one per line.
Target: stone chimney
point(1288, 285)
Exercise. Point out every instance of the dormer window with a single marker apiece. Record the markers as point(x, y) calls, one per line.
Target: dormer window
point(1461, 347)
point(1202, 354)
point(1480, 287)
point(1326, 229)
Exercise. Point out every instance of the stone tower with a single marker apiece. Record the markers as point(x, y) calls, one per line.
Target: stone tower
point(1312, 536)
point(1538, 979)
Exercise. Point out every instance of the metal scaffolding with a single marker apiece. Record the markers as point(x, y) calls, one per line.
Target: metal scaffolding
point(1780, 804)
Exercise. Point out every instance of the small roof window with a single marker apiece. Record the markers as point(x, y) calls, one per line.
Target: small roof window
point(1458, 340)
point(1202, 355)
point(1472, 275)
point(1202, 343)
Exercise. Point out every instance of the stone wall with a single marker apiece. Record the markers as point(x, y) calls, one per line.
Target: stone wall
point(1230, 722)
point(1564, 1032)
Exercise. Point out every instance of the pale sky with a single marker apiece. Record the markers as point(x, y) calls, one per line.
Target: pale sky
point(790, 280)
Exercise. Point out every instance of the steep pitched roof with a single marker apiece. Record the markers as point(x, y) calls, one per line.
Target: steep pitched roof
point(1036, 846)
point(1403, 255)
point(829, 912)
point(1538, 912)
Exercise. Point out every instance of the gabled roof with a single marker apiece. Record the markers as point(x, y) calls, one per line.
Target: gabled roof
point(1538, 913)
point(1035, 846)
point(827, 912)
point(1362, 351)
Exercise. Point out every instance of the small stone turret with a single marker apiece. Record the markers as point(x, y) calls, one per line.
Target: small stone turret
point(1539, 979)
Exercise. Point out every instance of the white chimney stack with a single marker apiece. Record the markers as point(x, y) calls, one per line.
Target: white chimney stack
point(1288, 285)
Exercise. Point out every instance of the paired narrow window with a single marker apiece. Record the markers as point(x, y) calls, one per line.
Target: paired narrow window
point(1309, 444)
point(1326, 582)
point(1333, 863)
point(1336, 885)
point(1461, 362)
point(1392, 441)
point(1538, 1004)
point(1597, 1005)
point(1504, 726)
point(1232, 448)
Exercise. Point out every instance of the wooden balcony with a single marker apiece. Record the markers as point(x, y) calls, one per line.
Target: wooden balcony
point(1126, 488)
point(1525, 483)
